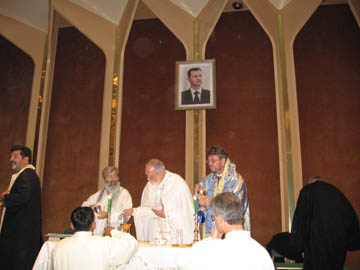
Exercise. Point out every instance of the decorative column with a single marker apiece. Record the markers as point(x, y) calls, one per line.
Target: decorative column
point(282, 25)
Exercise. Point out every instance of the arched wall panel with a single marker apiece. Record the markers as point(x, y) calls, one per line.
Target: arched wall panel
point(327, 59)
point(73, 144)
point(244, 121)
point(16, 75)
point(151, 128)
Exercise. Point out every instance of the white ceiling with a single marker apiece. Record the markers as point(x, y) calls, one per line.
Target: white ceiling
point(35, 12)
point(111, 10)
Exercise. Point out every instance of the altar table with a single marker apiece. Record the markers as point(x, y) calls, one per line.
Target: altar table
point(148, 257)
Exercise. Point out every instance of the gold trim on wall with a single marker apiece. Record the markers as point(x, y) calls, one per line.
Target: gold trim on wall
point(40, 101)
point(196, 112)
point(286, 115)
point(114, 97)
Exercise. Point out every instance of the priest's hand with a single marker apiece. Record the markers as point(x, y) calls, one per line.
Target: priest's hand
point(102, 215)
point(198, 187)
point(160, 212)
point(107, 231)
point(4, 193)
point(128, 212)
point(2, 198)
point(204, 200)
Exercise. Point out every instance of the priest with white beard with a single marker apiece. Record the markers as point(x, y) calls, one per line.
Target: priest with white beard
point(120, 200)
point(167, 198)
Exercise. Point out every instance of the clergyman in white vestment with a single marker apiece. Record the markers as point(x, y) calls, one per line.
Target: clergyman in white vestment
point(120, 200)
point(167, 198)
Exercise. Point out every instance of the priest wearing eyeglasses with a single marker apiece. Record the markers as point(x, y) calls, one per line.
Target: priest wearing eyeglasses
point(223, 178)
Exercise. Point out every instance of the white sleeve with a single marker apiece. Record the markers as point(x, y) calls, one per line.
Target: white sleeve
point(179, 210)
point(121, 247)
point(147, 202)
point(91, 200)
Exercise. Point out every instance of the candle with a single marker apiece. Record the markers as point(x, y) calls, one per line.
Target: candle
point(109, 209)
point(196, 205)
point(109, 203)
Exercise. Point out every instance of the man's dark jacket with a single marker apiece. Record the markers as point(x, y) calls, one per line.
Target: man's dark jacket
point(186, 97)
point(20, 238)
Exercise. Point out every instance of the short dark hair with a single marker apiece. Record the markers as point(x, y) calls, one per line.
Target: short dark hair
point(229, 206)
point(218, 151)
point(192, 69)
point(82, 218)
point(24, 151)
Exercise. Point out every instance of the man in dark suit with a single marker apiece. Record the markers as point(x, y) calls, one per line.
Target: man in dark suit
point(20, 237)
point(196, 94)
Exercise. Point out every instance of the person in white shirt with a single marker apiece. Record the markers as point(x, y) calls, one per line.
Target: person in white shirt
point(84, 250)
point(237, 250)
point(166, 199)
point(120, 200)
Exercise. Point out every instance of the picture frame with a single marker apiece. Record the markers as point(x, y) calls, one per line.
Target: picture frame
point(195, 85)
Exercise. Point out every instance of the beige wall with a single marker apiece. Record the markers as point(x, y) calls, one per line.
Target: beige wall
point(281, 27)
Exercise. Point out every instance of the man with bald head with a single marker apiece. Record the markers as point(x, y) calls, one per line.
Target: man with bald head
point(166, 197)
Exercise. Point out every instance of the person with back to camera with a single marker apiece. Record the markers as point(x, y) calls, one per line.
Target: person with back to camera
point(83, 250)
point(325, 226)
point(230, 246)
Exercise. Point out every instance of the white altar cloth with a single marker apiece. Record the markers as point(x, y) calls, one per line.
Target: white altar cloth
point(148, 257)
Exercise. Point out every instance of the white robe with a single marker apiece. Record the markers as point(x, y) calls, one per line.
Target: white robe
point(237, 251)
point(92, 252)
point(175, 195)
point(119, 203)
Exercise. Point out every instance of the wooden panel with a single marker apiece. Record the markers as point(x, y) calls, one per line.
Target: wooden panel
point(72, 152)
point(16, 75)
point(151, 128)
point(327, 58)
point(244, 121)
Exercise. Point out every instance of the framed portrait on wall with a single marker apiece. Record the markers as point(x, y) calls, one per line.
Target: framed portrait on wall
point(195, 85)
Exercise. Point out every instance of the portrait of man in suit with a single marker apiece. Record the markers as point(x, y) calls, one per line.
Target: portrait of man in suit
point(195, 85)
point(195, 94)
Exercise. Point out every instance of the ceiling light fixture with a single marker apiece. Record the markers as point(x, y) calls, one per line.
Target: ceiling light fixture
point(237, 5)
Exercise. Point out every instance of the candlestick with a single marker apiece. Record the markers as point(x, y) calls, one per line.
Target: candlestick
point(109, 209)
